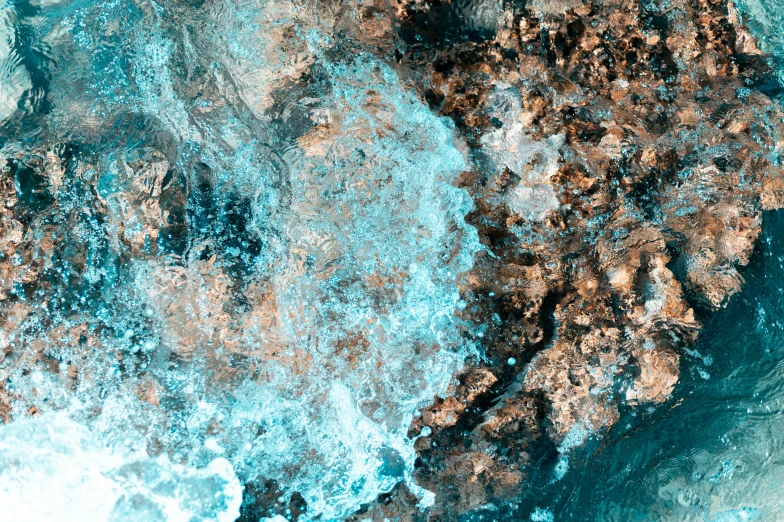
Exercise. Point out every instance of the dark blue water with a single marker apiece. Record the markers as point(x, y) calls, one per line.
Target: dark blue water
point(715, 452)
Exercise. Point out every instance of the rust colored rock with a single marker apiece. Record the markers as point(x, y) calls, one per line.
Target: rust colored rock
point(621, 162)
point(622, 170)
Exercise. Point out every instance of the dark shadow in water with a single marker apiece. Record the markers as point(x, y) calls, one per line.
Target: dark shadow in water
point(715, 452)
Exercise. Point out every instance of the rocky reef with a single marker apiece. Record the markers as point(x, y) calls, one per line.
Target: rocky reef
point(391, 260)
point(624, 153)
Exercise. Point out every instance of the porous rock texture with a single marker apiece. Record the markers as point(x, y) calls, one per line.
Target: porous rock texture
point(624, 154)
point(621, 153)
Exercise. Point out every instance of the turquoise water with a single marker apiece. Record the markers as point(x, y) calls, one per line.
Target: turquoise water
point(714, 452)
point(250, 245)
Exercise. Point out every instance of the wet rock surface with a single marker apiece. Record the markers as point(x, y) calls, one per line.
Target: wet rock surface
point(625, 153)
point(619, 156)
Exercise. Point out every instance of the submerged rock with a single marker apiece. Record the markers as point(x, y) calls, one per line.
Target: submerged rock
point(388, 261)
point(667, 123)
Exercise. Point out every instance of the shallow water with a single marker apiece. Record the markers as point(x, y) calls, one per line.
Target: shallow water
point(251, 244)
point(714, 452)
point(251, 248)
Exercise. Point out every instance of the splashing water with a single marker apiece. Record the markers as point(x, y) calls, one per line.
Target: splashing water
point(250, 253)
point(53, 469)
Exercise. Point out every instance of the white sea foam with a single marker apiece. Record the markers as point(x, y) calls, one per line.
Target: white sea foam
point(52, 468)
point(362, 257)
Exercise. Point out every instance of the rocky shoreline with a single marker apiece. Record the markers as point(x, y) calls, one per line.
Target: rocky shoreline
point(620, 156)
point(625, 153)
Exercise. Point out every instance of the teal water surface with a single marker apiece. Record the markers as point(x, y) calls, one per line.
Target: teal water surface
point(715, 452)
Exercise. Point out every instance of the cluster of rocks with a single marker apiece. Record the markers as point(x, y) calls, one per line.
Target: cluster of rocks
point(622, 156)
